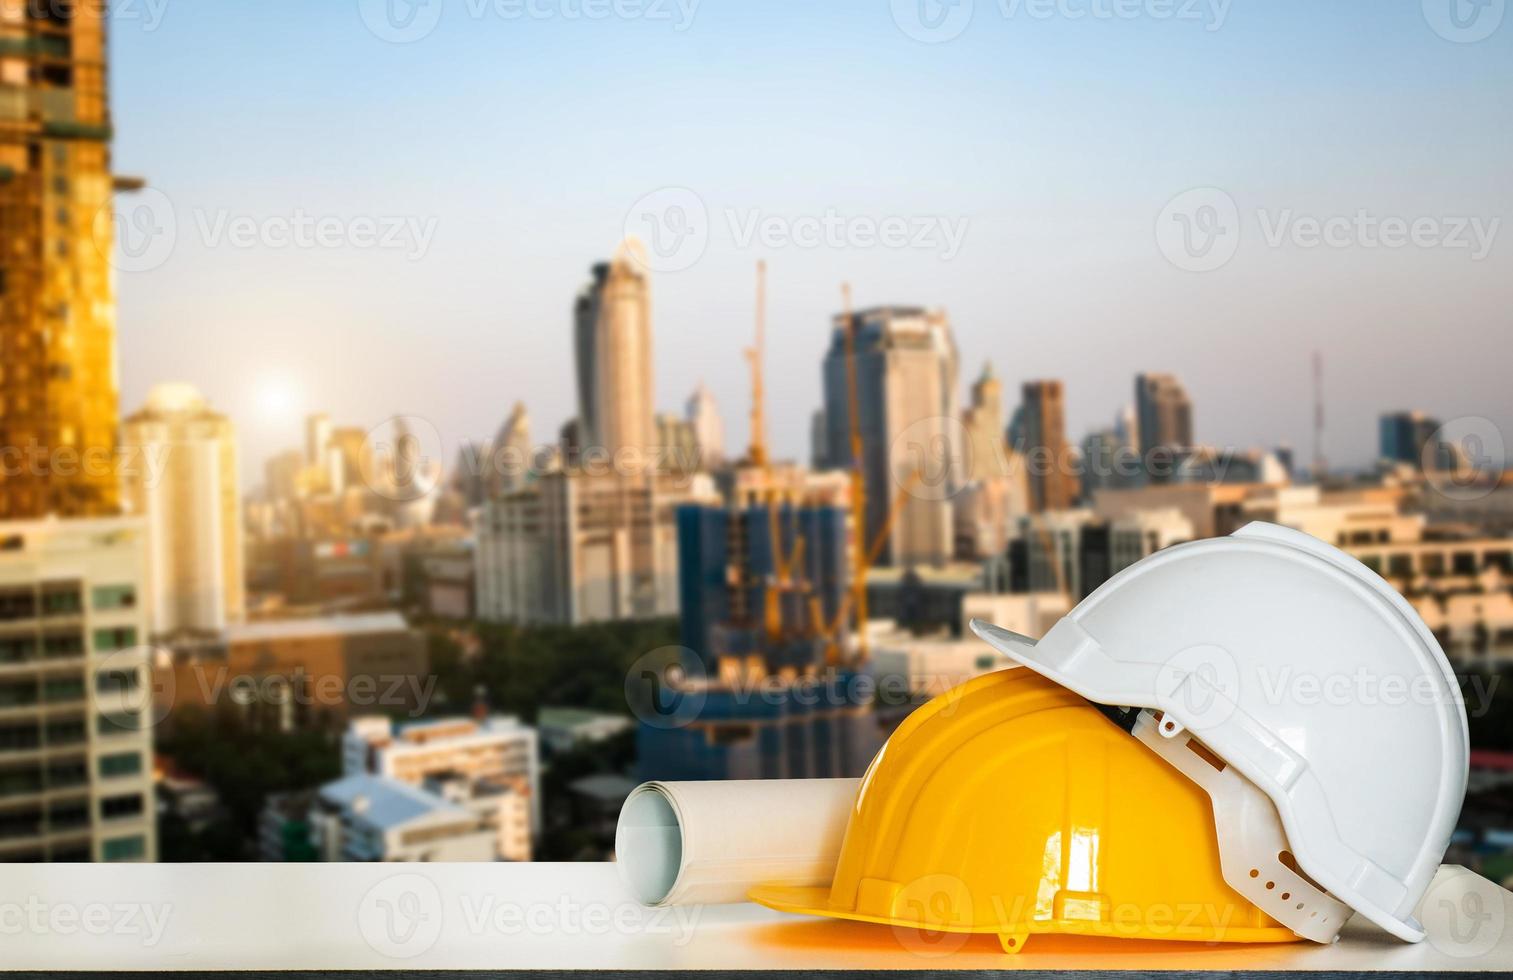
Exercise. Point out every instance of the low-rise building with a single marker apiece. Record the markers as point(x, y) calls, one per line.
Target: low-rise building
point(285, 673)
point(563, 729)
point(579, 547)
point(376, 818)
point(494, 763)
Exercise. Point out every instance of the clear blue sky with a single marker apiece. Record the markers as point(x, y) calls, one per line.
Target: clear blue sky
point(1058, 140)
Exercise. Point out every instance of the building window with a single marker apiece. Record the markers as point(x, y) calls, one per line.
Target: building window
point(58, 689)
point(63, 602)
point(106, 597)
point(18, 604)
point(117, 681)
point(117, 638)
point(117, 807)
point(60, 646)
point(117, 723)
point(120, 764)
point(126, 848)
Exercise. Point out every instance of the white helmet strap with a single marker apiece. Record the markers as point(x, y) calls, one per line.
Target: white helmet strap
point(1253, 850)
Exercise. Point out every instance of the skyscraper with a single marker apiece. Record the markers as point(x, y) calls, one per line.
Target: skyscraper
point(908, 409)
point(318, 441)
point(510, 460)
point(1047, 456)
point(1404, 436)
point(182, 477)
point(614, 357)
point(995, 491)
point(1163, 412)
point(708, 428)
point(58, 395)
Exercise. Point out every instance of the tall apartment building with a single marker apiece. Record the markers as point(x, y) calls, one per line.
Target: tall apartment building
point(613, 345)
point(75, 693)
point(703, 415)
point(584, 547)
point(908, 409)
point(996, 489)
point(1052, 477)
point(489, 767)
point(183, 480)
point(1405, 435)
point(1164, 421)
point(510, 462)
point(58, 394)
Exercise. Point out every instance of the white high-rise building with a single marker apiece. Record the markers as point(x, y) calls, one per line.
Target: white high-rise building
point(182, 477)
point(613, 342)
point(708, 429)
point(510, 461)
point(76, 686)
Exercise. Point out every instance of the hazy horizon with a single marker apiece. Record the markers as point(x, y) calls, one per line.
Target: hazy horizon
point(1029, 161)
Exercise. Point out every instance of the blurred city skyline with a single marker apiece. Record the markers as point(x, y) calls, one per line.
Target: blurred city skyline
point(1050, 165)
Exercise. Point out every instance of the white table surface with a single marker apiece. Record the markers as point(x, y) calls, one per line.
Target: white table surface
point(578, 916)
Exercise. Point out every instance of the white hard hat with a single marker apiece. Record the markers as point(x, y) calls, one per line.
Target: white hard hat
point(1274, 654)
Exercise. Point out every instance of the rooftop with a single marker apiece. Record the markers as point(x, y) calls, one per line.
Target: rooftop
point(385, 803)
point(293, 629)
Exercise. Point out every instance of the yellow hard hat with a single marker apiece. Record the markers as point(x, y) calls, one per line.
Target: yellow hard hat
point(1011, 806)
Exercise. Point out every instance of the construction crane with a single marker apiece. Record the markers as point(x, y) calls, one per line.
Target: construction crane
point(868, 557)
point(755, 355)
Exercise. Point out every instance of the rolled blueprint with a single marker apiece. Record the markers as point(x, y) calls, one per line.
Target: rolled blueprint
point(692, 843)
